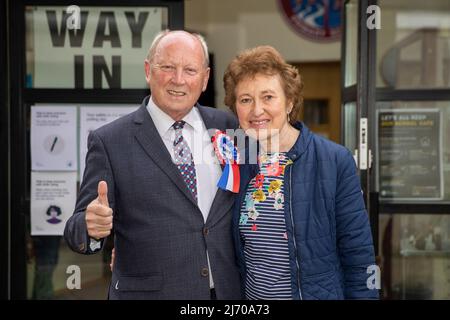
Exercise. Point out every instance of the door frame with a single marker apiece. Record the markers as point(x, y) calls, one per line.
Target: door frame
point(363, 93)
point(5, 212)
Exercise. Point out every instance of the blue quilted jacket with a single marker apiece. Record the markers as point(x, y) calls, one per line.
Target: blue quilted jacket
point(330, 241)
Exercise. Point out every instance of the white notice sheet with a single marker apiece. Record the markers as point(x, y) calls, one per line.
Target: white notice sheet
point(54, 138)
point(53, 196)
point(92, 118)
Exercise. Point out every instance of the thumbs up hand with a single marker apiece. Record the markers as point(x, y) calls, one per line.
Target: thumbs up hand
point(99, 216)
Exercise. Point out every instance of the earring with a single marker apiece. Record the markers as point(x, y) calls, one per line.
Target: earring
point(288, 117)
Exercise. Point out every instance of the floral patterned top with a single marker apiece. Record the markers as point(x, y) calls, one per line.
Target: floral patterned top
point(262, 228)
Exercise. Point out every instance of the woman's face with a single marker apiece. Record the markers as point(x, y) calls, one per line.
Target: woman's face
point(261, 106)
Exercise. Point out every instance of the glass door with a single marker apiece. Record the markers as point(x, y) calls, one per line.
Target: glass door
point(401, 85)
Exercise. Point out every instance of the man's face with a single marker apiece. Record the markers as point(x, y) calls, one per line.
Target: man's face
point(177, 74)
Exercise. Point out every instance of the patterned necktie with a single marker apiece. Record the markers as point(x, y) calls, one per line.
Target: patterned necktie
point(184, 159)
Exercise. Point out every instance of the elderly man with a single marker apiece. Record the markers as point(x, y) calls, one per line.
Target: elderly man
point(171, 223)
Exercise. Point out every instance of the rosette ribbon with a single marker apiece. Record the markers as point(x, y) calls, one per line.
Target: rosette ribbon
point(228, 156)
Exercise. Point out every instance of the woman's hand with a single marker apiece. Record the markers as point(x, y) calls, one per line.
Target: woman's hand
point(111, 265)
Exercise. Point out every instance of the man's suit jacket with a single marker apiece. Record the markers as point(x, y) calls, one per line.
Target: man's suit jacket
point(160, 236)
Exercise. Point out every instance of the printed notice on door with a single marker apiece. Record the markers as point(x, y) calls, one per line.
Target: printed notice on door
point(409, 154)
point(53, 138)
point(92, 118)
point(53, 196)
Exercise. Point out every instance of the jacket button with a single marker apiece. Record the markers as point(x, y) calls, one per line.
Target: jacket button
point(205, 272)
point(205, 231)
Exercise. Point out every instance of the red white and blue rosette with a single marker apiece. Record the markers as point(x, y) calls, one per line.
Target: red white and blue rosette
point(228, 156)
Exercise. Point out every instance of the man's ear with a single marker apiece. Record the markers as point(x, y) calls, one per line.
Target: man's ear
point(205, 80)
point(147, 70)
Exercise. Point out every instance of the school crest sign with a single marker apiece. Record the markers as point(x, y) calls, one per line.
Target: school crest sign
point(315, 20)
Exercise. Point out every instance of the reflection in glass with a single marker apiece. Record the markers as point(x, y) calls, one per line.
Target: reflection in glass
point(415, 251)
point(351, 34)
point(49, 261)
point(414, 44)
point(350, 123)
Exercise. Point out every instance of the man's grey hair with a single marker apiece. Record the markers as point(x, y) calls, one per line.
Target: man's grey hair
point(162, 34)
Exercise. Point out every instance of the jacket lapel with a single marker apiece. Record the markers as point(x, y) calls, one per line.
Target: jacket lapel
point(223, 199)
point(148, 137)
point(222, 203)
point(210, 123)
point(207, 117)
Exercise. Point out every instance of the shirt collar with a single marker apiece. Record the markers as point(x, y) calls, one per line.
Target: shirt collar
point(194, 119)
point(163, 122)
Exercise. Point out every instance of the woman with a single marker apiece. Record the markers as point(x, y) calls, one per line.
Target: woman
point(300, 226)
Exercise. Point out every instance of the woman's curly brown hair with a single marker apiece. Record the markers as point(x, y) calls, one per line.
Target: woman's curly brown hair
point(264, 60)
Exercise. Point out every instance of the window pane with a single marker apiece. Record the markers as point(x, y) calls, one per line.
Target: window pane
point(351, 49)
point(415, 252)
point(350, 125)
point(413, 44)
point(53, 269)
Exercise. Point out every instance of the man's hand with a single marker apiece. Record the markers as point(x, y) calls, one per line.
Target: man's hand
point(99, 216)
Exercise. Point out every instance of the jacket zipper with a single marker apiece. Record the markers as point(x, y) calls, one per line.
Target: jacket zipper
point(293, 233)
